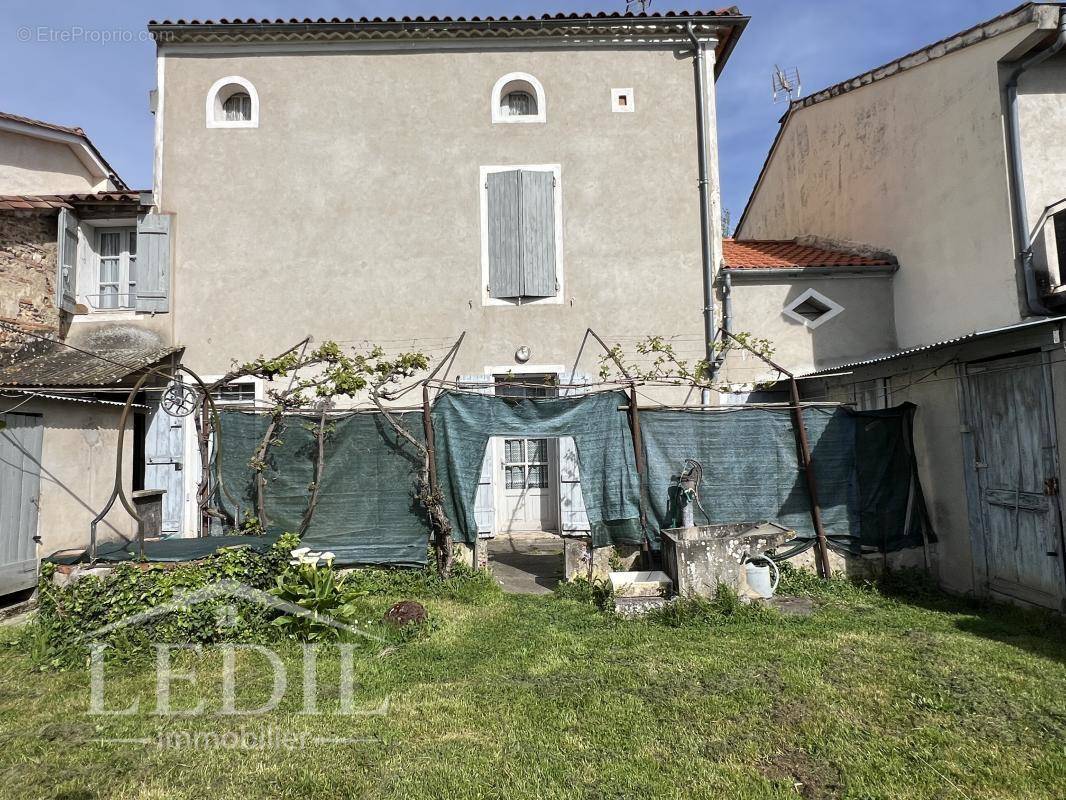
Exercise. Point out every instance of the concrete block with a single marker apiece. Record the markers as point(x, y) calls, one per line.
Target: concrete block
point(654, 583)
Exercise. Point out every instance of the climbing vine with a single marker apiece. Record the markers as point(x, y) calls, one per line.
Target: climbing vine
point(660, 362)
point(320, 376)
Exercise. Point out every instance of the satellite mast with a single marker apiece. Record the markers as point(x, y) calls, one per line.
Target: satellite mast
point(785, 83)
point(641, 4)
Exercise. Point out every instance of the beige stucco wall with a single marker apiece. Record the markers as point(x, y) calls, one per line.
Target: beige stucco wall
point(78, 473)
point(864, 328)
point(35, 166)
point(1042, 116)
point(352, 212)
point(916, 164)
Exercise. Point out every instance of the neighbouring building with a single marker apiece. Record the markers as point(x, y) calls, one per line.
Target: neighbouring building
point(65, 216)
point(949, 163)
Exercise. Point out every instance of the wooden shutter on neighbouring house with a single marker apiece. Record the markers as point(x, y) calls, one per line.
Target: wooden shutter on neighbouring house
point(67, 260)
point(153, 262)
point(505, 269)
point(537, 214)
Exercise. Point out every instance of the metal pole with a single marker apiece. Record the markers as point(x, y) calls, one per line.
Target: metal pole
point(638, 457)
point(431, 456)
point(821, 546)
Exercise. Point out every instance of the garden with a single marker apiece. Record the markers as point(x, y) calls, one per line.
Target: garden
point(458, 690)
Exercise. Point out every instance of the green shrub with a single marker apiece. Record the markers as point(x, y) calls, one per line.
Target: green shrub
point(312, 583)
point(68, 617)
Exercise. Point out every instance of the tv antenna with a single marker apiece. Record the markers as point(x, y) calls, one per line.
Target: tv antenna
point(785, 83)
point(641, 6)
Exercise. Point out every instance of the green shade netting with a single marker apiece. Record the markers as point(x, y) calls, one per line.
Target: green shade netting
point(175, 549)
point(864, 467)
point(367, 512)
point(463, 424)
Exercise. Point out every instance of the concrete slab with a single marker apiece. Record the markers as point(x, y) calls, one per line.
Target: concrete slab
point(526, 563)
point(655, 583)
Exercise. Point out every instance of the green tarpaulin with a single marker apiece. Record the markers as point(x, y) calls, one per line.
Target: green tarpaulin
point(866, 477)
point(463, 424)
point(167, 550)
point(367, 512)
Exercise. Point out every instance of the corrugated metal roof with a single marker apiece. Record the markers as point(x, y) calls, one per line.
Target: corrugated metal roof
point(788, 254)
point(934, 346)
point(61, 366)
point(26, 202)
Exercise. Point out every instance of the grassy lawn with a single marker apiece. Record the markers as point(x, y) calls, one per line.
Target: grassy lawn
point(905, 696)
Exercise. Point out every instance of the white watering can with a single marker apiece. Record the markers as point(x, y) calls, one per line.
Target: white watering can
point(757, 573)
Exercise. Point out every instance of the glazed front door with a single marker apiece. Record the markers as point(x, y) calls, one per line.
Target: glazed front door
point(528, 473)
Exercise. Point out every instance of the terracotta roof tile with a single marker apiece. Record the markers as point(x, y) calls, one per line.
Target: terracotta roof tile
point(731, 11)
point(788, 254)
point(20, 202)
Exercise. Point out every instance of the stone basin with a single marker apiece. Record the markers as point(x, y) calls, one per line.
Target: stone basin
point(700, 558)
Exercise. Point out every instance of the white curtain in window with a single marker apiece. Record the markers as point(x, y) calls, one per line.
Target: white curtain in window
point(238, 107)
point(519, 104)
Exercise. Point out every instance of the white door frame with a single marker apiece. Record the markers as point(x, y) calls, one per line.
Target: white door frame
point(496, 442)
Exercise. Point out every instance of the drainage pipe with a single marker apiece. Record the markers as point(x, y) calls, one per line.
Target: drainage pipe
point(727, 318)
point(705, 204)
point(1014, 150)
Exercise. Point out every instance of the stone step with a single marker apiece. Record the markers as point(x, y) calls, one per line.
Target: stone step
point(653, 583)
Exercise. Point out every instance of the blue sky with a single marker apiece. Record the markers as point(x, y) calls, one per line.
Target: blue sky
point(65, 73)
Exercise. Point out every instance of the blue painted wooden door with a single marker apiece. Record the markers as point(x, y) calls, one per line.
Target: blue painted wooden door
point(21, 441)
point(1017, 478)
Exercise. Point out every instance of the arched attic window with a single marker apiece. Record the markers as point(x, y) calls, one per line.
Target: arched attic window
point(232, 102)
point(518, 97)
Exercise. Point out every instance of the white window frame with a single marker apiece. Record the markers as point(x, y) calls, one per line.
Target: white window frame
point(215, 99)
point(630, 105)
point(538, 95)
point(259, 383)
point(88, 278)
point(833, 307)
point(483, 174)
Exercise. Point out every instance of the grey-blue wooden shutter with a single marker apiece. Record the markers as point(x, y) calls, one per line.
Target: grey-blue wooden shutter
point(505, 269)
point(484, 500)
point(164, 456)
point(66, 260)
point(21, 440)
point(153, 262)
point(572, 515)
point(537, 213)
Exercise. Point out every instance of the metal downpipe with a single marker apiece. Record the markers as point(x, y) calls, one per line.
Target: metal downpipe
point(1014, 150)
point(727, 318)
point(705, 205)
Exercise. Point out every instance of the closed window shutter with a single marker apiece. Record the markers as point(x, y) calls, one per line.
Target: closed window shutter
point(153, 262)
point(66, 260)
point(537, 213)
point(484, 501)
point(505, 273)
point(572, 514)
